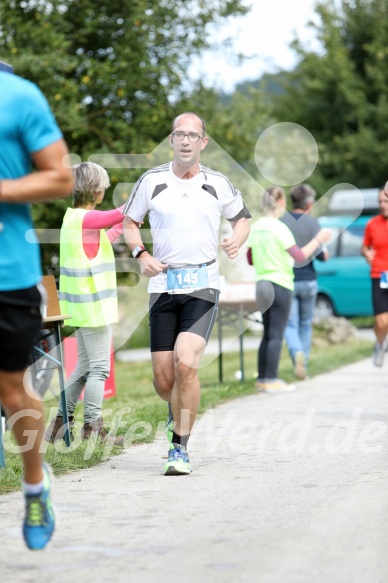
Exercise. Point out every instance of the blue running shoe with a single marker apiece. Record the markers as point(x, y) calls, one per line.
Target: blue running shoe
point(170, 426)
point(178, 462)
point(39, 521)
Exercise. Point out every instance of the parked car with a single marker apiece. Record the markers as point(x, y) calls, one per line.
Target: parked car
point(344, 285)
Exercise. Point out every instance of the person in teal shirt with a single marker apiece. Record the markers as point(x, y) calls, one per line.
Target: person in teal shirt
point(29, 136)
point(272, 252)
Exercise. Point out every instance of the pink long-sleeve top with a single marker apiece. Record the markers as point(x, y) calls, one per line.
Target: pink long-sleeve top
point(93, 222)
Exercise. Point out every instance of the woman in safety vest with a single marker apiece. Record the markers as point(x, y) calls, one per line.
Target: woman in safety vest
point(88, 292)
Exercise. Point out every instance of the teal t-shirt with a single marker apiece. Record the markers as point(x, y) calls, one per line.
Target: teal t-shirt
point(26, 126)
point(269, 239)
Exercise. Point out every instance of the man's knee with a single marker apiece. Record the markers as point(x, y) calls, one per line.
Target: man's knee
point(381, 324)
point(183, 371)
point(15, 390)
point(13, 400)
point(163, 386)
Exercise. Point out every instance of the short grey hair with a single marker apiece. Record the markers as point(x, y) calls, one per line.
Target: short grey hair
point(89, 180)
point(201, 120)
point(302, 195)
point(269, 204)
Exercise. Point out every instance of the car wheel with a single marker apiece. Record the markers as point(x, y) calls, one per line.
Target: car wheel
point(323, 308)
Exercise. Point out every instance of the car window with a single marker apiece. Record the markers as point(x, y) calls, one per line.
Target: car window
point(351, 242)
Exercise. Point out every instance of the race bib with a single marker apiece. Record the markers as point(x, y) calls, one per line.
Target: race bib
point(384, 280)
point(187, 278)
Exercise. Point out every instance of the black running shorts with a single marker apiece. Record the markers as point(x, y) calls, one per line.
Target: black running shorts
point(20, 321)
point(171, 314)
point(379, 297)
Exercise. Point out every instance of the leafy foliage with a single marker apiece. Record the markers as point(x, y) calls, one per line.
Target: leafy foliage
point(338, 92)
point(111, 71)
point(109, 68)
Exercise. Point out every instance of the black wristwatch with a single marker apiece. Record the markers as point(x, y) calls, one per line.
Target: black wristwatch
point(138, 251)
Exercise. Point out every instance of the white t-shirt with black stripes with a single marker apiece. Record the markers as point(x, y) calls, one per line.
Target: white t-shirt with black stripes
point(185, 217)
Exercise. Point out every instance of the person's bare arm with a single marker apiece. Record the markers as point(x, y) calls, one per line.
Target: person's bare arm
point(322, 236)
point(368, 253)
point(303, 253)
point(149, 266)
point(51, 180)
point(232, 244)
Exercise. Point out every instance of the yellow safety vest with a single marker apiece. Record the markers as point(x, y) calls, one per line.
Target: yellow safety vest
point(87, 287)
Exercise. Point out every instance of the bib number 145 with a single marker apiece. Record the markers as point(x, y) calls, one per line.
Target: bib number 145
point(187, 278)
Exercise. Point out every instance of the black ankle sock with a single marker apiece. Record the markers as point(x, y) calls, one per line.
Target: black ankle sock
point(180, 439)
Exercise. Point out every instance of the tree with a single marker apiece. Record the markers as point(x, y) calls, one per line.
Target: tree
point(338, 92)
point(234, 123)
point(108, 68)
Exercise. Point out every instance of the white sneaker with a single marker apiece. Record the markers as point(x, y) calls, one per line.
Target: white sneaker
point(378, 354)
point(277, 386)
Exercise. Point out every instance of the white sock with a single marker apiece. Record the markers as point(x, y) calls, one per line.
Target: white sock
point(33, 489)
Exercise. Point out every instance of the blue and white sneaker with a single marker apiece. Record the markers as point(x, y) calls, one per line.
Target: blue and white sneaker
point(39, 521)
point(178, 462)
point(170, 426)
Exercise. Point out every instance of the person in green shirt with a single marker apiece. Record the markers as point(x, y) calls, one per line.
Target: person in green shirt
point(273, 251)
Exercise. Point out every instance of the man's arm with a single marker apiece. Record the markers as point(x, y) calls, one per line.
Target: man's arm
point(149, 266)
point(232, 244)
point(52, 179)
point(368, 253)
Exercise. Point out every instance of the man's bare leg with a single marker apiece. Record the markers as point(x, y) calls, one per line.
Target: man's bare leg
point(18, 401)
point(176, 379)
point(381, 327)
point(186, 392)
point(164, 374)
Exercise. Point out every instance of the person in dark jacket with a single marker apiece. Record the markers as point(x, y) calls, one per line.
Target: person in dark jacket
point(304, 227)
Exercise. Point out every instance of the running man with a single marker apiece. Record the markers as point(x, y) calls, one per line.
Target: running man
point(185, 202)
point(375, 251)
point(28, 133)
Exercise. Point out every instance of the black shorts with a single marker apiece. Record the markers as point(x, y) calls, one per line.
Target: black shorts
point(171, 314)
point(20, 321)
point(379, 297)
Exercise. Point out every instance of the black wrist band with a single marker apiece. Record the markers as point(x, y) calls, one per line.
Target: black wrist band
point(140, 252)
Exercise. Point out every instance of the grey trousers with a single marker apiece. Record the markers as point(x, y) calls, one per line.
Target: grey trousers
point(91, 372)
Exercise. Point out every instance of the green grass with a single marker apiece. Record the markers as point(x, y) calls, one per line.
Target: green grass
point(363, 321)
point(141, 412)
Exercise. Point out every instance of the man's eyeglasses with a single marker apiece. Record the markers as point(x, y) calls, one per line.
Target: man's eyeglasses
point(192, 136)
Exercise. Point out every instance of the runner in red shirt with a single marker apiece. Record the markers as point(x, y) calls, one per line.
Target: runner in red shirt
point(375, 251)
